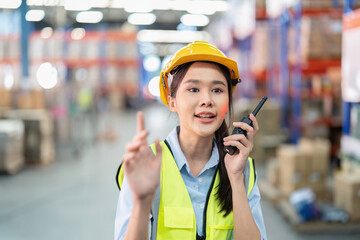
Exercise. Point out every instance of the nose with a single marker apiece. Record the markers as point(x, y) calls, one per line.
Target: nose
point(206, 100)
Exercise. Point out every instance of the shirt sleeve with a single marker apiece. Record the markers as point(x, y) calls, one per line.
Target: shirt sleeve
point(123, 211)
point(255, 207)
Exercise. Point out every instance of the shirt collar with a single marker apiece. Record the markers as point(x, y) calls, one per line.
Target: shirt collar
point(179, 156)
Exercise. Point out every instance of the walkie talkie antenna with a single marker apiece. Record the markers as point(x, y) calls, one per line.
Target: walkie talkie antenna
point(256, 110)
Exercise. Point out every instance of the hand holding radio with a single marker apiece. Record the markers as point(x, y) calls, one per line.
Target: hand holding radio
point(231, 149)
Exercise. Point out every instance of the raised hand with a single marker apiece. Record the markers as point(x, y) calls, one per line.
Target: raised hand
point(235, 164)
point(141, 167)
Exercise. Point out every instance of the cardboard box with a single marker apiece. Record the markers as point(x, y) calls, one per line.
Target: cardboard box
point(319, 152)
point(304, 165)
point(347, 194)
point(317, 182)
point(31, 100)
point(5, 98)
point(291, 159)
point(273, 173)
point(42, 117)
point(290, 182)
point(294, 167)
point(38, 135)
point(11, 146)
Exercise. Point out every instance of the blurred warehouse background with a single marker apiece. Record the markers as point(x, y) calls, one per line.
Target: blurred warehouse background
point(73, 73)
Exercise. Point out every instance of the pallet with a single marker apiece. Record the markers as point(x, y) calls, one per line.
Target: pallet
point(273, 195)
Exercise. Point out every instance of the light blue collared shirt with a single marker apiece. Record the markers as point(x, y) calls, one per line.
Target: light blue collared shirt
point(197, 188)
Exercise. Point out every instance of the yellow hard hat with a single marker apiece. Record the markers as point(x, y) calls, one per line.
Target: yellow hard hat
point(196, 51)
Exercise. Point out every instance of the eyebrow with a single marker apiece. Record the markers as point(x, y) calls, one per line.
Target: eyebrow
point(198, 81)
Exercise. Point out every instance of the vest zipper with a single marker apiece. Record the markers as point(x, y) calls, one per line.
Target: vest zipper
point(206, 203)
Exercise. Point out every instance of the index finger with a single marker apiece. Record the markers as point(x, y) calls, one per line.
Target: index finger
point(140, 122)
point(255, 122)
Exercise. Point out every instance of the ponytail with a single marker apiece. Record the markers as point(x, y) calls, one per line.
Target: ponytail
point(224, 192)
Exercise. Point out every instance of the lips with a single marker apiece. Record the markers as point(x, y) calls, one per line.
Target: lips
point(205, 115)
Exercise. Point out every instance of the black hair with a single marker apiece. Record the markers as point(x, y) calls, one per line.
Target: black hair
point(224, 192)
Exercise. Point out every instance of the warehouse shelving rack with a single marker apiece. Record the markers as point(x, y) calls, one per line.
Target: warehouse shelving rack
point(281, 71)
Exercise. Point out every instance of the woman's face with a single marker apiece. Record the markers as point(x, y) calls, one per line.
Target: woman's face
point(201, 100)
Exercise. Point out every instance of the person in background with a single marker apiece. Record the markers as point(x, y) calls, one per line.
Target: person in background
point(187, 186)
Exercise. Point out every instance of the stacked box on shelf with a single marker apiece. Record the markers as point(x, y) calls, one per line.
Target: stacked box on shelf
point(11, 145)
point(319, 151)
point(347, 193)
point(321, 37)
point(121, 54)
point(294, 167)
point(38, 139)
point(260, 52)
point(30, 100)
point(5, 98)
point(270, 135)
point(304, 165)
point(272, 170)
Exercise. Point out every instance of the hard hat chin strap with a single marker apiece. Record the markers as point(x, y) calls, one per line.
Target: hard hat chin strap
point(235, 81)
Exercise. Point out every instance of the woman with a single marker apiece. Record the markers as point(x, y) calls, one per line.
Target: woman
point(187, 187)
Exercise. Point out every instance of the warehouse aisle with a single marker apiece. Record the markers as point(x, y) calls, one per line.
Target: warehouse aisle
point(76, 197)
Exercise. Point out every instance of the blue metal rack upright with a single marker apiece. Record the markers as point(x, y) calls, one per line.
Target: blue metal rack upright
point(25, 33)
point(296, 75)
point(284, 67)
point(291, 104)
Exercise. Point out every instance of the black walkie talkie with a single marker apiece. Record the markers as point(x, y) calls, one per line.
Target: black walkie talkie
point(231, 149)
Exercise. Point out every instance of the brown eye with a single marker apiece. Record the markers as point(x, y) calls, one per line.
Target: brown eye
point(217, 90)
point(193, 90)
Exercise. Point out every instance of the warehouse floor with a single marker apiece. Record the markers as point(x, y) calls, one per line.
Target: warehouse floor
point(75, 197)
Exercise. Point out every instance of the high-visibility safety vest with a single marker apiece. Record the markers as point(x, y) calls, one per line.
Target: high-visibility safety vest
point(176, 217)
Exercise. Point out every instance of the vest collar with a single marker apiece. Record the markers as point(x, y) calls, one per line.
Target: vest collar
point(179, 157)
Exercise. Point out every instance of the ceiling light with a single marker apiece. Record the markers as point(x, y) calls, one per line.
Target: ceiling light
point(77, 33)
point(47, 75)
point(11, 4)
point(172, 36)
point(244, 20)
point(77, 5)
point(35, 15)
point(274, 8)
point(8, 78)
point(142, 18)
point(195, 20)
point(151, 63)
point(46, 32)
point(153, 86)
point(89, 17)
